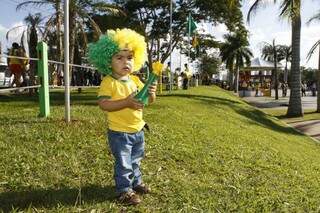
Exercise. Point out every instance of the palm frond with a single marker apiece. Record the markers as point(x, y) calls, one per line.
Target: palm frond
point(315, 17)
point(96, 29)
point(253, 9)
point(110, 8)
point(22, 39)
point(48, 24)
point(290, 8)
point(24, 5)
point(313, 48)
point(84, 37)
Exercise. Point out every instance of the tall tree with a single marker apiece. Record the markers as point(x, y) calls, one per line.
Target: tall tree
point(285, 54)
point(54, 20)
point(79, 14)
point(235, 53)
point(271, 52)
point(33, 21)
point(316, 17)
point(209, 64)
point(151, 18)
point(290, 9)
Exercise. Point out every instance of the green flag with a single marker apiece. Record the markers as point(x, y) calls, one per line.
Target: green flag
point(191, 25)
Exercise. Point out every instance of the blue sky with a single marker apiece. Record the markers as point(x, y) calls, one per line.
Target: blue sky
point(265, 26)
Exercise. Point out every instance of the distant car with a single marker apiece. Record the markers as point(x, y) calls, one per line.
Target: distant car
point(5, 76)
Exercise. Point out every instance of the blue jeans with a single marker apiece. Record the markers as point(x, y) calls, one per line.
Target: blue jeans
point(128, 151)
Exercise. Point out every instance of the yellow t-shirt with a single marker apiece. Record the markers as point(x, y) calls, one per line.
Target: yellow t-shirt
point(127, 119)
point(18, 52)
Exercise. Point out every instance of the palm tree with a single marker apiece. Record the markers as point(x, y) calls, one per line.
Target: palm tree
point(235, 53)
point(311, 52)
point(286, 54)
point(54, 19)
point(79, 16)
point(290, 9)
point(271, 52)
point(33, 21)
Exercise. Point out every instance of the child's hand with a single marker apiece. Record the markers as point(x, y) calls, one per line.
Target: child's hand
point(152, 89)
point(132, 103)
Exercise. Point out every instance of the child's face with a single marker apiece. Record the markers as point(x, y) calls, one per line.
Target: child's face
point(122, 63)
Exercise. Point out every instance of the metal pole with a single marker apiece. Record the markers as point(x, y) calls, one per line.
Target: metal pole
point(180, 61)
point(171, 77)
point(66, 61)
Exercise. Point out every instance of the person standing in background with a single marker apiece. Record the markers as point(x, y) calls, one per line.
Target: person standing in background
point(17, 66)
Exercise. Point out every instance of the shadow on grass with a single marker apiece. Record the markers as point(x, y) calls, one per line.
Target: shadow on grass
point(284, 116)
point(262, 119)
point(257, 116)
point(56, 98)
point(20, 119)
point(18, 98)
point(218, 100)
point(10, 120)
point(49, 198)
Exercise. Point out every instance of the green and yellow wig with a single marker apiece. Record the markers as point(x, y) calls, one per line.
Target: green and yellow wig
point(101, 52)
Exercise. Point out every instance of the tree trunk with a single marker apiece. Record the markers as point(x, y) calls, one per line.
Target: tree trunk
point(58, 33)
point(236, 80)
point(230, 78)
point(295, 105)
point(318, 83)
point(275, 74)
point(285, 77)
point(72, 33)
point(33, 41)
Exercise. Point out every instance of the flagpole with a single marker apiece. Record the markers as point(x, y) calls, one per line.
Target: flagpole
point(66, 61)
point(170, 45)
point(180, 62)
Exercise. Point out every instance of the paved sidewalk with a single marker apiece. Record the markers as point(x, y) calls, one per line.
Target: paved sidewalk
point(311, 127)
point(308, 102)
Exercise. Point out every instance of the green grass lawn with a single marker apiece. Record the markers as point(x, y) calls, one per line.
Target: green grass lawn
point(207, 152)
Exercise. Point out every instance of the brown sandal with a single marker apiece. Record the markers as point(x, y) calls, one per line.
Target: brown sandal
point(142, 189)
point(129, 198)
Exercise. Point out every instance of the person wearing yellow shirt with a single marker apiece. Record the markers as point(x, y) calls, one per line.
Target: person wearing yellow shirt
point(117, 54)
point(17, 66)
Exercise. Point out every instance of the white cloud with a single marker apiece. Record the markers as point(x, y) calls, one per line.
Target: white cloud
point(3, 30)
point(219, 30)
point(309, 36)
point(203, 28)
point(16, 31)
point(14, 35)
